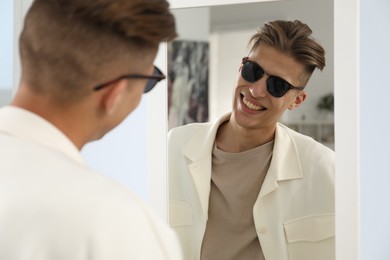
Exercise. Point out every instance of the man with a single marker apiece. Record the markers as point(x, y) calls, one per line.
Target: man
point(85, 66)
point(246, 186)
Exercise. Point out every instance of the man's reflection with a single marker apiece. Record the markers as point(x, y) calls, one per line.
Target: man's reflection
point(246, 186)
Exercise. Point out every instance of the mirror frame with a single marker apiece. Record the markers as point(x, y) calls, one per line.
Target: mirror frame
point(347, 82)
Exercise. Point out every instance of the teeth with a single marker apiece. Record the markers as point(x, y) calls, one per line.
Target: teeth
point(250, 105)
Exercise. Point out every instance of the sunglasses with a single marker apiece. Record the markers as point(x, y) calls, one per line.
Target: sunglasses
point(252, 72)
point(152, 80)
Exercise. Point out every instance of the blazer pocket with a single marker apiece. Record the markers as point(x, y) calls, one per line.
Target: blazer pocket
point(311, 237)
point(180, 214)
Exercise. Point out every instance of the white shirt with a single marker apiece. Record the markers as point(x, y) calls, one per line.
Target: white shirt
point(53, 207)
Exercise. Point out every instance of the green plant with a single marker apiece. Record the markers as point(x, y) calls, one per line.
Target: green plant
point(326, 103)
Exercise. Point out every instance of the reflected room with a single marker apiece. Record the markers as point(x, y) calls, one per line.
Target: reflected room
point(204, 59)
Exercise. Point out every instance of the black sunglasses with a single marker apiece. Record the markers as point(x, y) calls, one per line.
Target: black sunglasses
point(152, 80)
point(252, 72)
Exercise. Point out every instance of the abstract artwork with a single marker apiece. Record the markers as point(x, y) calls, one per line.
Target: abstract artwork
point(188, 69)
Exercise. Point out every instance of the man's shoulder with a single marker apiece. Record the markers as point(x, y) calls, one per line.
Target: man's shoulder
point(78, 202)
point(183, 133)
point(314, 159)
point(306, 146)
point(55, 174)
point(302, 139)
point(188, 128)
point(204, 129)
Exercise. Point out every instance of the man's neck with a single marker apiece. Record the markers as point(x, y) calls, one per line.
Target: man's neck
point(234, 138)
point(72, 123)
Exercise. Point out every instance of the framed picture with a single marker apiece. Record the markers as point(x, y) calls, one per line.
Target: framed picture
point(188, 70)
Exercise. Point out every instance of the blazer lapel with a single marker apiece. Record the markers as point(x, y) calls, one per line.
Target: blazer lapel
point(201, 174)
point(285, 164)
point(199, 152)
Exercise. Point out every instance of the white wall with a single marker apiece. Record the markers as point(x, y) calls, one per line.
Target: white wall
point(121, 154)
point(374, 130)
point(6, 50)
point(194, 23)
point(227, 48)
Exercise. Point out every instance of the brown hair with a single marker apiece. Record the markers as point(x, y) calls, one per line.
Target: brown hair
point(292, 38)
point(74, 43)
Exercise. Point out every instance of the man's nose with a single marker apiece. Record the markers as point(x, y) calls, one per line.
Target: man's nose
point(259, 88)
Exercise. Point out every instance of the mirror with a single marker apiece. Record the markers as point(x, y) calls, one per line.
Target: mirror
point(229, 29)
point(219, 39)
point(345, 21)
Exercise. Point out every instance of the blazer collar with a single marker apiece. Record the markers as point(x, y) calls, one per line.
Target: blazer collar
point(24, 124)
point(200, 145)
point(199, 151)
point(285, 164)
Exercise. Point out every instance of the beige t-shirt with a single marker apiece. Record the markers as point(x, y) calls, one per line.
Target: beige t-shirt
point(235, 184)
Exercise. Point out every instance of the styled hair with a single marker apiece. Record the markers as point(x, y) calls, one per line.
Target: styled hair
point(293, 38)
point(75, 43)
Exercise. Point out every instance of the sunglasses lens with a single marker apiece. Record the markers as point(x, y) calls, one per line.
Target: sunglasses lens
point(277, 87)
point(251, 72)
point(153, 81)
point(150, 85)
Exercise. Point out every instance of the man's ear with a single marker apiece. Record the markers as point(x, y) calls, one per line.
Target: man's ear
point(298, 100)
point(113, 95)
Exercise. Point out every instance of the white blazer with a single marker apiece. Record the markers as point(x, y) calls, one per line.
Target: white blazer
point(52, 206)
point(294, 212)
